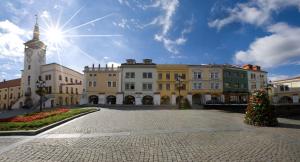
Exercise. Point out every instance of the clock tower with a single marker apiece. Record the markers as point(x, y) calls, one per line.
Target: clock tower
point(34, 58)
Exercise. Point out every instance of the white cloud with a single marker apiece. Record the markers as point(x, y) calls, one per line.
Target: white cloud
point(279, 48)
point(11, 40)
point(274, 77)
point(165, 21)
point(256, 12)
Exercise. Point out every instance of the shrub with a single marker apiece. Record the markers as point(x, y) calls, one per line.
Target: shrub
point(259, 112)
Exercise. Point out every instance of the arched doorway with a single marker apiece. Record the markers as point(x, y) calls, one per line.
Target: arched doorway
point(147, 100)
point(285, 100)
point(93, 99)
point(177, 99)
point(196, 98)
point(165, 100)
point(111, 99)
point(129, 100)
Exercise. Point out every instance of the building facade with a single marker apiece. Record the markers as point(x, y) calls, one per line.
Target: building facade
point(102, 84)
point(10, 92)
point(168, 85)
point(286, 91)
point(138, 83)
point(257, 79)
point(235, 82)
point(206, 84)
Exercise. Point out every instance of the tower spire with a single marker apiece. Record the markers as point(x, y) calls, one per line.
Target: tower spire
point(36, 31)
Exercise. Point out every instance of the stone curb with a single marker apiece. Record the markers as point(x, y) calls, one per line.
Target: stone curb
point(47, 127)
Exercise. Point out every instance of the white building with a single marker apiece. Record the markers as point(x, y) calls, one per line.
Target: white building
point(63, 85)
point(138, 83)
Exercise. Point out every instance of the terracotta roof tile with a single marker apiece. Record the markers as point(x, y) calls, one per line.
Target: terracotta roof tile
point(10, 83)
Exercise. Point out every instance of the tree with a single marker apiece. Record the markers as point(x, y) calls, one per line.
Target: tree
point(259, 112)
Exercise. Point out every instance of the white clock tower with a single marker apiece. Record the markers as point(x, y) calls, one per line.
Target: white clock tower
point(35, 56)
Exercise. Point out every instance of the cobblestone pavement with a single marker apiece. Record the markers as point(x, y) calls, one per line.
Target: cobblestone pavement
point(157, 135)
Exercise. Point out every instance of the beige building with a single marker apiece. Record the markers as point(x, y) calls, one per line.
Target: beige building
point(206, 83)
point(286, 91)
point(10, 92)
point(101, 84)
point(63, 85)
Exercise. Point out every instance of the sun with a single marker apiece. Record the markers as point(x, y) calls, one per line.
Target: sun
point(54, 35)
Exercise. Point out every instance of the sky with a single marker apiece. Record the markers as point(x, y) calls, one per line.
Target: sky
point(80, 33)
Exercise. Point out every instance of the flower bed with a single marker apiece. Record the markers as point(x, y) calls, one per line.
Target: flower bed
point(34, 116)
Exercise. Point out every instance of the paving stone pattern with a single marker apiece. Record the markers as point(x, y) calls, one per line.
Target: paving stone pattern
point(159, 135)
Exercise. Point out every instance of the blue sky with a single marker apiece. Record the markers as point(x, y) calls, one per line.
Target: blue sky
point(263, 32)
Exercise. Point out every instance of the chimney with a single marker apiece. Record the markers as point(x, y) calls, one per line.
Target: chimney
point(147, 61)
point(112, 66)
point(106, 66)
point(93, 67)
point(130, 61)
point(99, 66)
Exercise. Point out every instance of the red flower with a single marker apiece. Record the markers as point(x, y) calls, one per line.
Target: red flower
point(35, 116)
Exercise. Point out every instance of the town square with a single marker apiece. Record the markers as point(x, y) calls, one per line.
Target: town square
point(129, 81)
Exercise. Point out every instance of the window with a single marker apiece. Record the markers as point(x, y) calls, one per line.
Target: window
point(76, 91)
point(71, 80)
point(114, 74)
point(253, 76)
point(59, 77)
point(168, 76)
point(109, 75)
point(147, 86)
point(214, 75)
point(286, 88)
point(109, 84)
point(67, 90)
point(147, 75)
point(130, 75)
point(29, 67)
point(50, 90)
point(5, 96)
point(215, 86)
point(66, 79)
point(182, 76)
point(183, 86)
point(253, 86)
point(168, 86)
point(197, 85)
point(90, 83)
point(91, 75)
point(95, 74)
point(11, 95)
point(175, 76)
point(129, 86)
point(159, 76)
point(60, 89)
point(160, 87)
point(72, 90)
point(28, 80)
point(48, 77)
point(197, 75)
point(94, 83)
point(114, 84)
point(19, 95)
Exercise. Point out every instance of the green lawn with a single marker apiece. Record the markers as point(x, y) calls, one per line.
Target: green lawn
point(7, 126)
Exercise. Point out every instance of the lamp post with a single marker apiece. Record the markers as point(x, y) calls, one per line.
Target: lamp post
point(178, 81)
point(40, 85)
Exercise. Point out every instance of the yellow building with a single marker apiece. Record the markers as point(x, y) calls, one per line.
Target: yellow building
point(167, 85)
point(286, 91)
point(10, 92)
point(101, 84)
point(206, 83)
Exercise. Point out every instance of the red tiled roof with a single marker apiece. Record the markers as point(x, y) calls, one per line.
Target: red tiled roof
point(10, 83)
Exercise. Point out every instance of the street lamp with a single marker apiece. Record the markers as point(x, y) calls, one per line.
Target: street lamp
point(40, 85)
point(178, 81)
